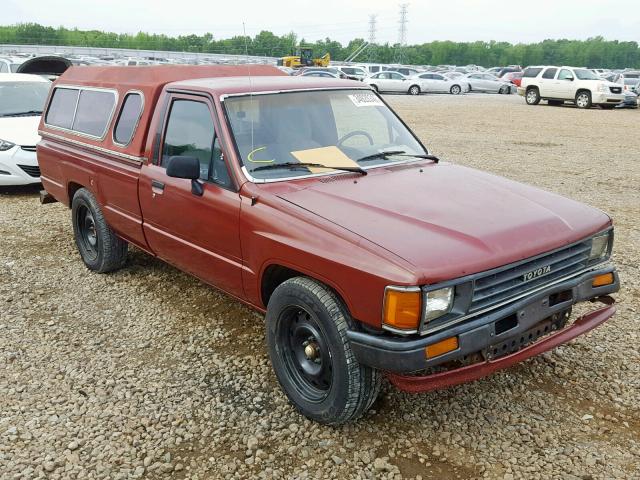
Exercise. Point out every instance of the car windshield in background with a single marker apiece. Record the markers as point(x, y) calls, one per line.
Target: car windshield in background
point(333, 128)
point(583, 74)
point(22, 98)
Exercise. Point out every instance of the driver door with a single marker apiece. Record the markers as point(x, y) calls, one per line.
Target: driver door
point(563, 87)
point(198, 234)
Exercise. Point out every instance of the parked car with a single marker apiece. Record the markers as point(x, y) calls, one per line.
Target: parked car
point(406, 71)
point(513, 77)
point(570, 84)
point(22, 99)
point(319, 73)
point(332, 70)
point(393, 82)
point(353, 73)
point(506, 70)
point(630, 100)
point(485, 82)
point(10, 64)
point(372, 68)
point(310, 200)
point(436, 83)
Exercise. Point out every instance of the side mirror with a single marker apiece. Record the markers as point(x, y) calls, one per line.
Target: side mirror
point(188, 168)
point(569, 79)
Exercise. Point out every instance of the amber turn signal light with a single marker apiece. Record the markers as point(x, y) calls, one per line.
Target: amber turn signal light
point(402, 308)
point(440, 348)
point(604, 279)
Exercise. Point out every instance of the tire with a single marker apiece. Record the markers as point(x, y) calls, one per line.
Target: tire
point(583, 99)
point(414, 90)
point(100, 248)
point(311, 356)
point(555, 103)
point(455, 90)
point(532, 97)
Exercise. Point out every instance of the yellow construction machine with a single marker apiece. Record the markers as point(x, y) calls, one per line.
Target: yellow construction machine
point(304, 58)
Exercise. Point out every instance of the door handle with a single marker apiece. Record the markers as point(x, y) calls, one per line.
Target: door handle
point(157, 188)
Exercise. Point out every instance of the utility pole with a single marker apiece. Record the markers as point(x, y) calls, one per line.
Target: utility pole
point(402, 33)
point(372, 37)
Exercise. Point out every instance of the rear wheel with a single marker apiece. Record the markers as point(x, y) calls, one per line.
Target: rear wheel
point(312, 358)
point(532, 96)
point(583, 99)
point(455, 90)
point(414, 90)
point(100, 248)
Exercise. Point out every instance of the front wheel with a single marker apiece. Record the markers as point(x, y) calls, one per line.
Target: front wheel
point(455, 90)
point(583, 99)
point(311, 355)
point(532, 97)
point(100, 248)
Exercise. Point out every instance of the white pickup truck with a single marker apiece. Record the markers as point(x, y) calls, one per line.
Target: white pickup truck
point(569, 84)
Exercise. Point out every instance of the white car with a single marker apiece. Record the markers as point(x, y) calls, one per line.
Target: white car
point(485, 82)
point(22, 98)
point(353, 73)
point(393, 82)
point(569, 84)
point(430, 82)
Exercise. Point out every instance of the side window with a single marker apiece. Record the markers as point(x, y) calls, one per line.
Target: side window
point(128, 118)
point(190, 132)
point(62, 107)
point(549, 73)
point(565, 74)
point(94, 112)
point(395, 76)
point(438, 77)
point(3, 67)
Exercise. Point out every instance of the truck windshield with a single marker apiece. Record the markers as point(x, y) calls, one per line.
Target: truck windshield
point(333, 128)
point(22, 98)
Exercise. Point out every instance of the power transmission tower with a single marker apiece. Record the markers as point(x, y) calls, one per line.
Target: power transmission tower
point(402, 33)
point(372, 37)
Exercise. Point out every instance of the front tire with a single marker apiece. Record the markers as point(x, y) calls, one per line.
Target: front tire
point(100, 248)
point(311, 355)
point(414, 90)
point(583, 99)
point(532, 97)
point(455, 90)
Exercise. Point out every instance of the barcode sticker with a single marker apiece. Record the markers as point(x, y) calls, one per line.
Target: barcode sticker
point(366, 100)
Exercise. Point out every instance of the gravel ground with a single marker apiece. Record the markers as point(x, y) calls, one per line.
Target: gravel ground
point(149, 373)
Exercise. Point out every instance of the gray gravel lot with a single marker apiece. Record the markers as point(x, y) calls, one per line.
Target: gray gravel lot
point(149, 373)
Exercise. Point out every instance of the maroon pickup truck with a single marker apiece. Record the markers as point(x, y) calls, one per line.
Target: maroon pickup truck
point(310, 199)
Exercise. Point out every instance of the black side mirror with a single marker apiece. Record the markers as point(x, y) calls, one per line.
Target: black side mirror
point(186, 167)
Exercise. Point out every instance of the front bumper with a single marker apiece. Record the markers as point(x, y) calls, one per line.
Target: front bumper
point(607, 98)
point(19, 166)
point(507, 326)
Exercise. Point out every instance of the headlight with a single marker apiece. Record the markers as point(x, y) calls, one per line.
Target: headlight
point(4, 145)
point(437, 303)
point(600, 247)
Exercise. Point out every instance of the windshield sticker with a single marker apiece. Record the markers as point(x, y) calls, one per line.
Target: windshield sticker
point(365, 100)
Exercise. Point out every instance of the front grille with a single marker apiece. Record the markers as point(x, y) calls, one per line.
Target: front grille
point(31, 170)
point(507, 282)
point(28, 148)
point(615, 89)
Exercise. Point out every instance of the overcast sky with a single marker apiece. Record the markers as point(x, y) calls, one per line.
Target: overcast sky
point(459, 20)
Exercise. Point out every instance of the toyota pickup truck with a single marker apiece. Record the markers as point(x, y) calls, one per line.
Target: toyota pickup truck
point(310, 200)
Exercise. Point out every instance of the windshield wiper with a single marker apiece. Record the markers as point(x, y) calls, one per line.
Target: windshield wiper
point(294, 165)
point(397, 153)
point(22, 114)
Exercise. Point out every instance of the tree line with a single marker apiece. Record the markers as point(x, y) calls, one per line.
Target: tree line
point(592, 53)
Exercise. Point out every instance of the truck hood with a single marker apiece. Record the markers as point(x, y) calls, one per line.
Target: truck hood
point(447, 220)
point(22, 131)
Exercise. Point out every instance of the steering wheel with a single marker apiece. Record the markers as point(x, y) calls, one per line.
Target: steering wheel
point(355, 133)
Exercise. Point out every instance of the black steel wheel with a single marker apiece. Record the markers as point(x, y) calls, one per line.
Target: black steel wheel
point(100, 248)
point(307, 326)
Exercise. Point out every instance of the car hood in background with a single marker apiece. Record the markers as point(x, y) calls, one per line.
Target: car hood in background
point(447, 220)
point(22, 131)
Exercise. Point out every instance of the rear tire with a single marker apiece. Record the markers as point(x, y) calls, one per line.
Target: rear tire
point(100, 248)
point(455, 90)
point(414, 90)
point(532, 97)
point(311, 355)
point(583, 99)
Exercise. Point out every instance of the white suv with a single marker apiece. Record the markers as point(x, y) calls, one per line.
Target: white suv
point(560, 84)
